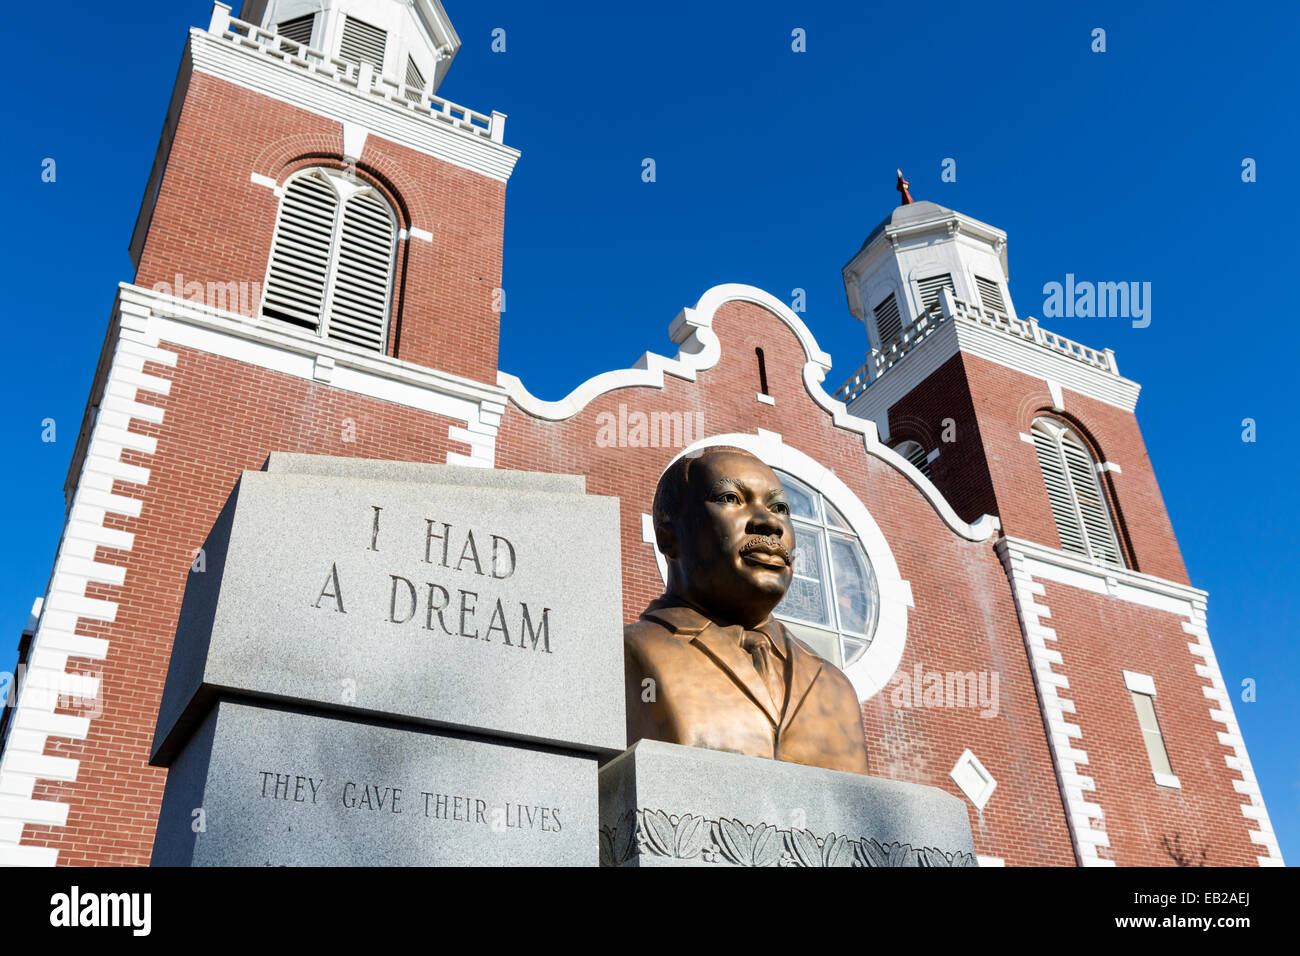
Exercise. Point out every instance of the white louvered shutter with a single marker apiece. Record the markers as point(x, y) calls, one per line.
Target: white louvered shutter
point(359, 298)
point(301, 252)
point(991, 295)
point(888, 321)
point(414, 81)
point(1088, 496)
point(916, 454)
point(929, 288)
point(298, 29)
point(363, 42)
point(1078, 506)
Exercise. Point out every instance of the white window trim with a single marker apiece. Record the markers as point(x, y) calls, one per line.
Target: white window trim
point(870, 673)
point(1145, 684)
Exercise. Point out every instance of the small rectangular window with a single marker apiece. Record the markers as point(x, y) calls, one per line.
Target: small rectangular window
point(1145, 705)
point(888, 321)
point(414, 81)
point(363, 43)
point(298, 29)
point(929, 288)
point(991, 295)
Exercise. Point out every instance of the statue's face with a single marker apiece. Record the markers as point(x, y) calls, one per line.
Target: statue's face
point(735, 541)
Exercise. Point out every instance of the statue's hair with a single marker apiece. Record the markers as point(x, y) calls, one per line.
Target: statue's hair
point(671, 490)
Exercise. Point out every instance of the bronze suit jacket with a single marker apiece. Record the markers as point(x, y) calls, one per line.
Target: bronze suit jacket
point(707, 692)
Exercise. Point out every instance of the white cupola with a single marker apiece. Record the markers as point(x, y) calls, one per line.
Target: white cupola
point(410, 42)
point(919, 249)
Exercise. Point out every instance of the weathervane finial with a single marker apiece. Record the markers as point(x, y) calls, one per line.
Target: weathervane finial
point(902, 188)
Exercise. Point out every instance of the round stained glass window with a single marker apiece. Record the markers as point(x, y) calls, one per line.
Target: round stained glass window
point(833, 601)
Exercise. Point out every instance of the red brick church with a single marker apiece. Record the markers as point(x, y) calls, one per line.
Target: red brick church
point(983, 547)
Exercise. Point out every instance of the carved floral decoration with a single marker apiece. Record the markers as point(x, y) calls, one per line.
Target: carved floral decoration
point(725, 841)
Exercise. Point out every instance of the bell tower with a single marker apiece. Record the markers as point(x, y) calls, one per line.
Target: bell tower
point(309, 173)
point(411, 42)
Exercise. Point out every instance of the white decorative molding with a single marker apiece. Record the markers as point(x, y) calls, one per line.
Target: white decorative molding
point(871, 672)
point(764, 399)
point(1166, 780)
point(990, 860)
point(325, 94)
point(1085, 818)
point(1058, 396)
point(278, 347)
point(1206, 666)
point(354, 141)
point(55, 638)
point(1028, 562)
point(1029, 439)
point(701, 350)
point(1110, 466)
point(952, 326)
point(423, 235)
point(257, 179)
point(973, 779)
point(1140, 683)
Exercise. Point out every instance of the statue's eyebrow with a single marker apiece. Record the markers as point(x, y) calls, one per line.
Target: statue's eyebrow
point(727, 483)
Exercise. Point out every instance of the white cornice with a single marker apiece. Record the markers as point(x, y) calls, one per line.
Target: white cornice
point(701, 350)
point(1010, 351)
point(1117, 582)
point(325, 96)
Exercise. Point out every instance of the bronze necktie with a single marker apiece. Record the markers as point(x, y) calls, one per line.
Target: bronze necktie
point(759, 648)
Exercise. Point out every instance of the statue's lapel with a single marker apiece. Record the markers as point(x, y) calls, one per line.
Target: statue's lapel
point(803, 669)
point(723, 645)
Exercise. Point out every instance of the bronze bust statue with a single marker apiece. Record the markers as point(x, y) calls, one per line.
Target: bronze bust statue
point(707, 665)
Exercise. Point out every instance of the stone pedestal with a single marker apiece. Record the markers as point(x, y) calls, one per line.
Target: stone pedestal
point(667, 805)
point(394, 663)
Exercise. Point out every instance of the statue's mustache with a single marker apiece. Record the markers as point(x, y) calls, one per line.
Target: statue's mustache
point(769, 543)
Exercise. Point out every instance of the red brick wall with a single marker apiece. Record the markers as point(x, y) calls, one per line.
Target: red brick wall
point(211, 223)
point(964, 618)
point(1148, 825)
point(961, 472)
point(990, 468)
point(221, 417)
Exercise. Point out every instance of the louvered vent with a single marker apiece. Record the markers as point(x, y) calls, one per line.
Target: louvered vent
point(930, 288)
point(1078, 506)
point(298, 29)
point(332, 260)
point(414, 81)
point(1092, 506)
point(359, 303)
point(916, 454)
point(362, 42)
point(888, 322)
point(991, 295)
point(300, 256)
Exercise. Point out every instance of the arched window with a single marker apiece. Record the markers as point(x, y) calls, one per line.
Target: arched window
point(833, 602)
point(916, 454)
point(331, 267)
point(1078, 505)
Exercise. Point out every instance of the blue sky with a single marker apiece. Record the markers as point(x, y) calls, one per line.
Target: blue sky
point(772, 166)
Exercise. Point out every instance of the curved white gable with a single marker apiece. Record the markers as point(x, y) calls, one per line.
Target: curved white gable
point(701, 350)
